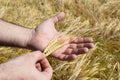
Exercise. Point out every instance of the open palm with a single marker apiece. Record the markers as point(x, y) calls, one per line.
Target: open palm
point(46, 31)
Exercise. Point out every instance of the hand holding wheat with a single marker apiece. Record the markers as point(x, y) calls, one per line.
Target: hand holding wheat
point(45, 32)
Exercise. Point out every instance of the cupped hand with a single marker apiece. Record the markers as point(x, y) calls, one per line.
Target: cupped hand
point(74, 47)
point(46, 31)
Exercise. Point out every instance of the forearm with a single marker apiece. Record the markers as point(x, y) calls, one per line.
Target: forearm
point(14, 35)
point(6, 73)
point(3, 74)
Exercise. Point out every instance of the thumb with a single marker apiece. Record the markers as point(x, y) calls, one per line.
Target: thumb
point(58, 17)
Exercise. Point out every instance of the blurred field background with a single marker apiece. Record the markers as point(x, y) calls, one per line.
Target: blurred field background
point(99, 19)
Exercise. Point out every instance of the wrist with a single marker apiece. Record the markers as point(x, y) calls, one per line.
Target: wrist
point(29, 41)
point(28, 34)
point(36, 42)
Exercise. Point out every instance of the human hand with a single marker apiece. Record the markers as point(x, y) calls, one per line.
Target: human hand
point(46, 31)
point(30, 66)
point(73, 47)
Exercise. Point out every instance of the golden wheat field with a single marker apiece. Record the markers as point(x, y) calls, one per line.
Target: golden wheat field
point(99, 19)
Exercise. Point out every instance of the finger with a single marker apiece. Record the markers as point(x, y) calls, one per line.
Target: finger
point(65, 57)
point(38, 66)
point(58, 17)
point(68, 57)
point(81, 45)
point(80, 51)
point(68, 51)
point(76, 51)
point(46, 68)
point(61, 50)
point(80, 40)
point(87, 45)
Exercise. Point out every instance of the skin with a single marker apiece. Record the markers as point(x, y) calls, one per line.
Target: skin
point(38, 39)
point(46, 31)
point(30, 66)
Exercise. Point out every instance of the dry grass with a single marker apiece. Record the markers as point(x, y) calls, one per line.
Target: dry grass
point(99, 19)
